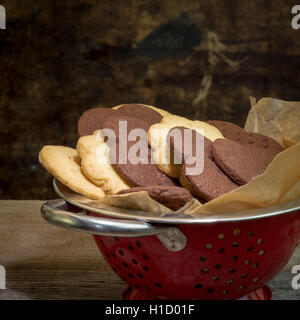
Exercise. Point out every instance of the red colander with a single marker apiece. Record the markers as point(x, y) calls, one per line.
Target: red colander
point(224, 256)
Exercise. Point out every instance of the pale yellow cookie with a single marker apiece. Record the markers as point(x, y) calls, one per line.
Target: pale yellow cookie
point(157, 138)
point(164, 113)
point(96, 166)
point(64, 164)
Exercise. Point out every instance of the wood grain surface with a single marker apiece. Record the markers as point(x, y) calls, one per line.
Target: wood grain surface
point(46, 262)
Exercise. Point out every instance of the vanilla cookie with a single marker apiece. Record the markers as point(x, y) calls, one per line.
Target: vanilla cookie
point(64, 164)
point(96, 164)
point(157, 138)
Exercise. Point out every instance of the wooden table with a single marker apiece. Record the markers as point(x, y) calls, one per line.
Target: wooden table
point(46, 262)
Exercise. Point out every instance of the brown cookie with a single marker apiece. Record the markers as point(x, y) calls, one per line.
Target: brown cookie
point(92, 120)
point(240, 162)
point(173, 198)
point(234, 132)
point(143, 173)
point(141, 112)
point(228, 129)
point(187, 146)
point(209, 184)
point(114, 123)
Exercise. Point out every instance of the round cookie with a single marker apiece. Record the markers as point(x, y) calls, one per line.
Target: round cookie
point(240, 162)
point(234, 132)
point(173, 198)
point(92, 119)
point(228, 129)
point(142, 174)
point(142, 112)
point(209, 184)
point(162, 112)
point(64, 164)
point(187, 146)
point(113, 123)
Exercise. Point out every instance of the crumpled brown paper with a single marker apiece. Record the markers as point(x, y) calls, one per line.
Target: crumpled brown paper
point(279, 183)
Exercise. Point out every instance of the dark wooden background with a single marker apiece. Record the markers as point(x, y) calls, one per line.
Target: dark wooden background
point(200, 59)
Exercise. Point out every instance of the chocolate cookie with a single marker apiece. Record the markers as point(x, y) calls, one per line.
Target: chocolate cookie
point(184, 145)
point(92, 120)
point(141, 112)
point(209, 184)
point(173, 198)
point(114, 123)
point(238, 134)
point(240, 162)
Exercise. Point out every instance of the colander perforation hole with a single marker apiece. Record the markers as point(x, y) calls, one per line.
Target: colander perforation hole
point(235, 258)
point(138, 244)
point(210, 290)
point(216, 278)
point(159, 285)
point(248, 261)
point(101, 242)
point(140, 275)
point(221, 250)
point(117, 239)
point(255, 279)
point(244, 275)
point(229, 281)
point(118, 267)
point(208, 246)
point(261, 252)
point(232, 271)
point(107, 255)
point(221, 236)
point(145, 268)
point(203, 258)
point(255, 265)
point(218, 266)
point(235, 244)
point(125, 264)
point(250, 248)
point(204, 270)
point(145, 257)
point(130, 275)
point(241, 287)
point(148, 288)
point(236, 232)
point(121, 252)
point(130, 248)
point(225, 292)
point(250, 234)
point(198, 286)
point(134, 261)
point(260, 241)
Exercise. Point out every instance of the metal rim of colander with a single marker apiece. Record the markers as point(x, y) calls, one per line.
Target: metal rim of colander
point(123, 213)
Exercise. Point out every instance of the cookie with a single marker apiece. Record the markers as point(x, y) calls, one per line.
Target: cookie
point(157, 138)
point(240, 162)
point(96, 164)
point(209, 184)
point(162, 112)
point(141, 112)
point(64, 164)
point(92, 120)
point(234, 132)
point(128, 123)
point(173, 198)
point(144, 172)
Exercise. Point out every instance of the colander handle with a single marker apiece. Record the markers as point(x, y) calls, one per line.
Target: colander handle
point(53, 211)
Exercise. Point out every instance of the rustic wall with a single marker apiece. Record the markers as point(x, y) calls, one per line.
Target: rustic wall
point(201, 59)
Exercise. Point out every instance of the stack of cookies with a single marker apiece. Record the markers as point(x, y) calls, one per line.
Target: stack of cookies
point(135, 147)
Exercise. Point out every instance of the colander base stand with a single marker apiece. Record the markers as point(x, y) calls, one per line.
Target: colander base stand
point(262, 293)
